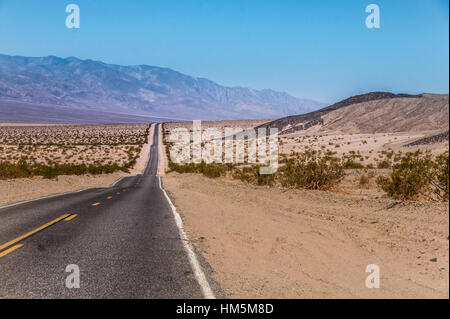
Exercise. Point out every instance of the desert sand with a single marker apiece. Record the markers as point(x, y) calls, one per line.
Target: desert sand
point(284, 243)
point(22, 189)
point(291, 243)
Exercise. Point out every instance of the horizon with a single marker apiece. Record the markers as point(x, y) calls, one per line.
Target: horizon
point(304, 49)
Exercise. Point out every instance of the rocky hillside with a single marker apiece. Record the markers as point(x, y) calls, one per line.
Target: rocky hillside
point(373, 113)
point(436, 138)
point(139, 90)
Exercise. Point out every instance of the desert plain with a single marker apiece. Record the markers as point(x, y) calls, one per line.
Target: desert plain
point(267, 241)
point(49, 144)
point(283, 242)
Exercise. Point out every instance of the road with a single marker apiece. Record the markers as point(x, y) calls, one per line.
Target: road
point(124, 240)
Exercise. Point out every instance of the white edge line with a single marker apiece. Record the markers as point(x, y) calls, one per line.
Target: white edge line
point(197, 269)
point(115, 183)
point(46, 197)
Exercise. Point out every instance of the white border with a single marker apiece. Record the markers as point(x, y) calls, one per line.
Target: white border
point(115, 183)
point(196, 268)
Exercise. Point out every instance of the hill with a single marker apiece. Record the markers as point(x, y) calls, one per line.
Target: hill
point(375, 112)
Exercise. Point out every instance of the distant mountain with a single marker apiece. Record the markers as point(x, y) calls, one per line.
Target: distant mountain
point(139, 90)
point(375, 112)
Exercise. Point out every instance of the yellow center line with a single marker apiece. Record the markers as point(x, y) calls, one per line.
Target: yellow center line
point(10, 250)
point(70, 217)
point(95, 204)
point(33, 232)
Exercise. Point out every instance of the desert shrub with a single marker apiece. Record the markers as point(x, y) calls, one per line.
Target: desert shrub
point(311, 170)
point(441, 180)
point(384, 164)
point(252, 175)
point(363, 180)
point(182, 168)
point(348, 161)
point(410, 178)
point(19, 170)
point(22, 169)
point(351, 164)
point(212, 170)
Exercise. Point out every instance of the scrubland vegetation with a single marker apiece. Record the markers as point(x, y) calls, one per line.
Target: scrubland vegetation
point(121, 134)
point(403, 176)
point(69, 150)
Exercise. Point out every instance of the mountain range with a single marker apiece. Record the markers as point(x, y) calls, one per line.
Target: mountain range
point(70, 84)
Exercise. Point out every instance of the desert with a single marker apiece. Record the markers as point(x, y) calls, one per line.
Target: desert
point(264, 236)
point(280, 235)
point(285, 243)
point(269, 239)
point(39, 160)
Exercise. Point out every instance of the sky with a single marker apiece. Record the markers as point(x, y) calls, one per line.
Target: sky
point(311, 49)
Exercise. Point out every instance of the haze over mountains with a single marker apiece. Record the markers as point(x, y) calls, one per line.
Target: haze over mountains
point(72, 85)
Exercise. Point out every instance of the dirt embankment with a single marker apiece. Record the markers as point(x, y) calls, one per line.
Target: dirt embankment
point(278, 243)
point(21, 189)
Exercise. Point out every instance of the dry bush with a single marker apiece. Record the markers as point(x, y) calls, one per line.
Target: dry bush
point(441, 177)
point(364, 180)
point(384, 164)
point(417, 175)
point(252, 175)
point(311, 170)
point(212, 170)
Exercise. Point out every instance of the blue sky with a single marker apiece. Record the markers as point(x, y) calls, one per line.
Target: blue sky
point(312, 49)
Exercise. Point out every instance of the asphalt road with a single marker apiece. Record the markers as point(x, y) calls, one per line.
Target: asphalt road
point(124, 240)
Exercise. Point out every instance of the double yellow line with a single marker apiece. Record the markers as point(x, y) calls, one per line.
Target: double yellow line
point(14, 244)
point(67, 217)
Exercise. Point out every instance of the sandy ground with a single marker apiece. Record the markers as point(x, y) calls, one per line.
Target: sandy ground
point(142, 161)
point(278, 243)
point(3, 124)
point(16, 190)
point(369, 146)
